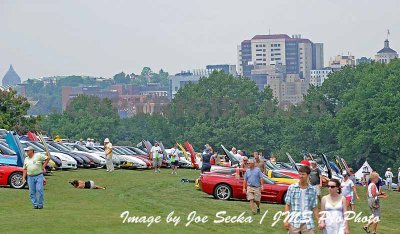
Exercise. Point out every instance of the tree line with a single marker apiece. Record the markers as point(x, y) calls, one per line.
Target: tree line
point(354, 114)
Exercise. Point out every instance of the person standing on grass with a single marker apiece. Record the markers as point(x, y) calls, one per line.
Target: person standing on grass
point(206, 159)
point(316, 178)
point(301, 200)
point(156, 156)
point(389, 177)
point(108, 150)
point(34, 166)
point(374, 203)
point(348, 189)
point(333, 209)
point(253, 185)
point(174, 158)
point(352, 177)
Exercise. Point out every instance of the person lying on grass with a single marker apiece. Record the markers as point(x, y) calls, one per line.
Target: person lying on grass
point(85, 184)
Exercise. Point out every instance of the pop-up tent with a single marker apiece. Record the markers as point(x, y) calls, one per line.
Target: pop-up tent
point(365, 169)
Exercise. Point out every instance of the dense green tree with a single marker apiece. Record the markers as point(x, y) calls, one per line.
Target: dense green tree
point(13, 113)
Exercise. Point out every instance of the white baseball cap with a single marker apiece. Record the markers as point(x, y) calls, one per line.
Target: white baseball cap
point(106, 140)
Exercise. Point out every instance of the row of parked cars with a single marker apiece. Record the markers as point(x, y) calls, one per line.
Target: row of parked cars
point(67, 156)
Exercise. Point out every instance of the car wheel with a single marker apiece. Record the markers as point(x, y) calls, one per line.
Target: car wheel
point(15, 180)
point(223, 192)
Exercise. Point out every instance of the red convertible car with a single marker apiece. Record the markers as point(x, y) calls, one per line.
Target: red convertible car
point(12, 176)
point(224, 185)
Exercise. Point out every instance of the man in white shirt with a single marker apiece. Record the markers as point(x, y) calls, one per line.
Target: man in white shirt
point(239, 156)
point(156, 156)
point(174, 158)
point(108, 150)
point(389, 178)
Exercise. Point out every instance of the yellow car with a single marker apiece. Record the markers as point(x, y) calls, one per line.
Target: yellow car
point(289, 177)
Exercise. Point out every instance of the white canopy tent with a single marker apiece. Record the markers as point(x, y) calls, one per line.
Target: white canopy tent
point(365, 169)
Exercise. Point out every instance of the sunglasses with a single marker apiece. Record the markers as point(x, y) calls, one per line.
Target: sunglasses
point(331, 187)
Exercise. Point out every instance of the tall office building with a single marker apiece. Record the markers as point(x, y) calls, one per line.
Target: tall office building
point(298, 55)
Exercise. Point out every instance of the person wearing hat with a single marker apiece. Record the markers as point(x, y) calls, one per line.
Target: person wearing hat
point(389, 178)
point(156, 156)
point(88, 142)
point(80, 142)
point(348, 189)
point(253, 185)
point(108, 151)
point(34, 166)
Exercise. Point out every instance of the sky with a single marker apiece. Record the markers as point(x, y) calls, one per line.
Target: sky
point(102, 38)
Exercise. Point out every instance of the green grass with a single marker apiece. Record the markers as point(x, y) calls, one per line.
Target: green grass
point(143, 193)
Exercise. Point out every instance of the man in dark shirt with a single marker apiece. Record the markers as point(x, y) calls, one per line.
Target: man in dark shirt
point(316, 179)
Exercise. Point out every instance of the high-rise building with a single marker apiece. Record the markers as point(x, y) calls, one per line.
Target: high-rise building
point(298, 55)
point(386, 54)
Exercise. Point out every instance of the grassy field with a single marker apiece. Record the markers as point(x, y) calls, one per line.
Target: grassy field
point(143, 193)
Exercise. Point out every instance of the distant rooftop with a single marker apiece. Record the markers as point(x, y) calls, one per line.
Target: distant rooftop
point(386, 49)
point(274, 36)
point(11, 77)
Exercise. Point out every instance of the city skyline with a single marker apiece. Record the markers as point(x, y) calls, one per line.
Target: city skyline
point(102, 38)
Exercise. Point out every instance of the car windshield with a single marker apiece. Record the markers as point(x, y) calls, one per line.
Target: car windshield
point(98, 148)
point(81, 148)
point(51, 148)
point(60, 146)
point(35, 147)
point(137, 150)
point(126, 151)
point(118, 151)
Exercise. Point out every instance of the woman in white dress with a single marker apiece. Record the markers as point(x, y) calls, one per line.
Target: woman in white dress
point(333, 208)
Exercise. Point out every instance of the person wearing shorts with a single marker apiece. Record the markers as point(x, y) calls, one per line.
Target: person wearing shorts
point(389, 177)
point(352, 177)
point(348, 189)
point(174, 158)
point(253, 185)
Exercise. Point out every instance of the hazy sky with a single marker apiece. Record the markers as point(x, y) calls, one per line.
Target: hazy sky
point(102, 38)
